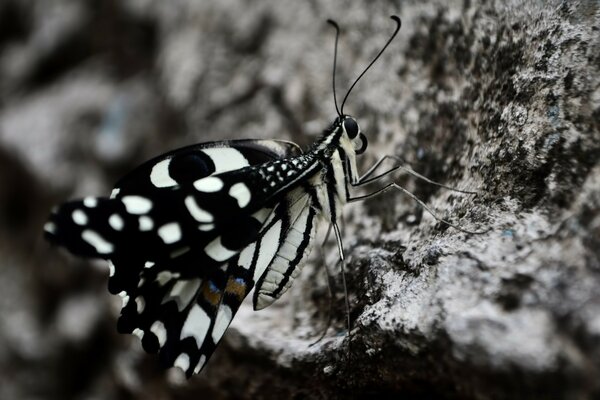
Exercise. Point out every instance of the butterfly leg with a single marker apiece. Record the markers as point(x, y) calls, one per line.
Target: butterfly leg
point(416, 199)
point(338, 238)
point(366, 177)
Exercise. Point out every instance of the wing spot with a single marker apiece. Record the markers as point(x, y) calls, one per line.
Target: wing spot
point(159, 330)
point(79, 217)
point(146, 223)
point(241, 193)
point(217, 251)
point(159, 176)
point(50, 227)
point(221, 322)
point(138, 332)
point(182, 362)
point(200, 364)
point(170, 233)
point(148, 264)
point(137, 204)
point(90, 202)
point(115, 192)
point(165, 276)
point(209, 184)
point(140, 304)
point(196, 211)
point(111, 268)
point(196, 325)
point(116, 222)
point(206, 227)
point(226, 159)
point(124, 299)
point(97, 241)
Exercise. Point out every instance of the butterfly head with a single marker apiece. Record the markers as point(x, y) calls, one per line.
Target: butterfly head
point(351, 131)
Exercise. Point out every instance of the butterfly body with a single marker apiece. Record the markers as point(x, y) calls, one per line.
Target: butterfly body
point(190, 233)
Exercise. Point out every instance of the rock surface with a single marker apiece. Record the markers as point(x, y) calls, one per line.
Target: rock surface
point(498, 97)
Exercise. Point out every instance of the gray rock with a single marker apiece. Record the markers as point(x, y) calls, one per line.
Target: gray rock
point(501, 98)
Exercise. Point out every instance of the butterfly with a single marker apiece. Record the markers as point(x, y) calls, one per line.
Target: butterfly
point(190, 233)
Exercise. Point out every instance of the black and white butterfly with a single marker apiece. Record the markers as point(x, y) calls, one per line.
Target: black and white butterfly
point(190, 233)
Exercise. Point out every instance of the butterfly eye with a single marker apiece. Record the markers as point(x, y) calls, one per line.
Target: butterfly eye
point(351, 127)
point(363, 144)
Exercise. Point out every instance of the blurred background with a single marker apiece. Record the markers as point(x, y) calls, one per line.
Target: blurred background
point(498, 97)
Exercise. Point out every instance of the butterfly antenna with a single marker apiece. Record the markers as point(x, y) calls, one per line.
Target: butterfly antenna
point(398, 25)
point(335, 51)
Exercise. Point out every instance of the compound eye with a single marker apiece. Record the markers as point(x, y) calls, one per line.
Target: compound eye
point(351, 127)
point(363, 144)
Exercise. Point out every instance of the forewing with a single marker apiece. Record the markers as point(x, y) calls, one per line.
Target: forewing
point(188, 164)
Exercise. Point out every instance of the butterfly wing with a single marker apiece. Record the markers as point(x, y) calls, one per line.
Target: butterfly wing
point(186, 319)
point(186, 240)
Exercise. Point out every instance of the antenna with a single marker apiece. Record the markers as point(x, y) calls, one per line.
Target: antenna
point(398, 25)
point(337, 35)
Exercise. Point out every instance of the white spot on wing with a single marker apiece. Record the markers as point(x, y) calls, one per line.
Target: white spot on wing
point(148, 264)
point(182, 361)
point(137, 204)
point(114, 193)
point(170, 233)
point(200, 364)
point(158, 328)
point(209, 184)
point(246, 256)
point(226, 159)
point(268, 248)
point(140, 304)
point(196, 325)
point(221, 322)
point(217, 251)
point(50, 227)
point(111, 268)
point(206, 227)
point(116, 222)
point(165, 276)
point(146, 223)
point(90, 202)
point(183, 292)
point(241, 193)
point(159, 176)
point(97, 241)
point(198, 213)
point(124, 298)
point(138, 332)
point(79, 217)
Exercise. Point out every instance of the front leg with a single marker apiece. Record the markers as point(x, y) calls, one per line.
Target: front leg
point(365, 179)
point(416, 199)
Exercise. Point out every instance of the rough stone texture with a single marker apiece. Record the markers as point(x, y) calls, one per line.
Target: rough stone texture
point(498, 97)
